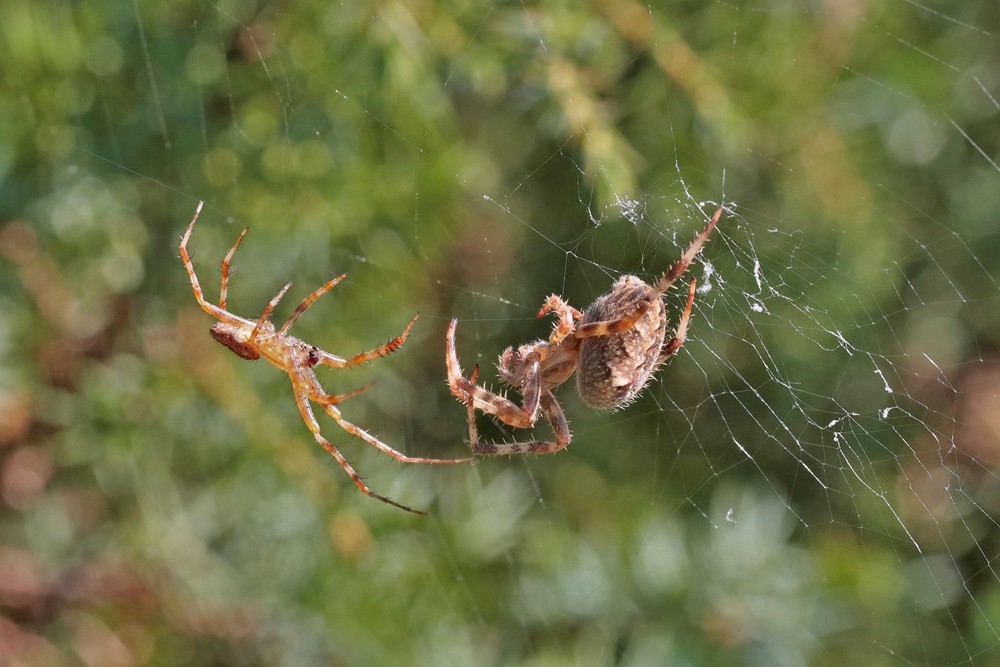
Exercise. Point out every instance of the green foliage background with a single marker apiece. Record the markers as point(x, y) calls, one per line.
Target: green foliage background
point(162, 503)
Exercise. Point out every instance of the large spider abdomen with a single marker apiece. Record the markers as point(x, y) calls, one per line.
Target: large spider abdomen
point(615, 367)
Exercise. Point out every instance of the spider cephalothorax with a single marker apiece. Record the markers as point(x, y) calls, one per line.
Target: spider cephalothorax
point(253, 339)
point(614, 347)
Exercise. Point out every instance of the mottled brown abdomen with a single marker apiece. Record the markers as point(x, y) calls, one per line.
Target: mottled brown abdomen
point(615, 367)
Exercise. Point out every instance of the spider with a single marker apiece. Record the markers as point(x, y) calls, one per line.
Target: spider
point(253, 339)
point(614, 347)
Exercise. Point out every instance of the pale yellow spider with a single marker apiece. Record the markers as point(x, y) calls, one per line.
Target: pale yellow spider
point(253, 339)
point(614, 347)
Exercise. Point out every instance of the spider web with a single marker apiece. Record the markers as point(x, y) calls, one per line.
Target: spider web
point(811, 479)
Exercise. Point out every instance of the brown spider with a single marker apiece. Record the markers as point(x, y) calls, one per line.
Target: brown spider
point(253, 339)
point(616, 344)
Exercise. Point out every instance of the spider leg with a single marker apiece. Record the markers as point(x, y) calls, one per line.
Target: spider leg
point(305, 381)
point(217, 312)
point(266, 315)
point(470, 406)
point(557, 419)
point(606, 327)
point(568, 315)
point(302, 400)
point(308, 301)
point(671, 347)
point(509, 412)
point(372, 440)
point(381, 351)
point(225, 267)
point(333, 399)
point(678, 269)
